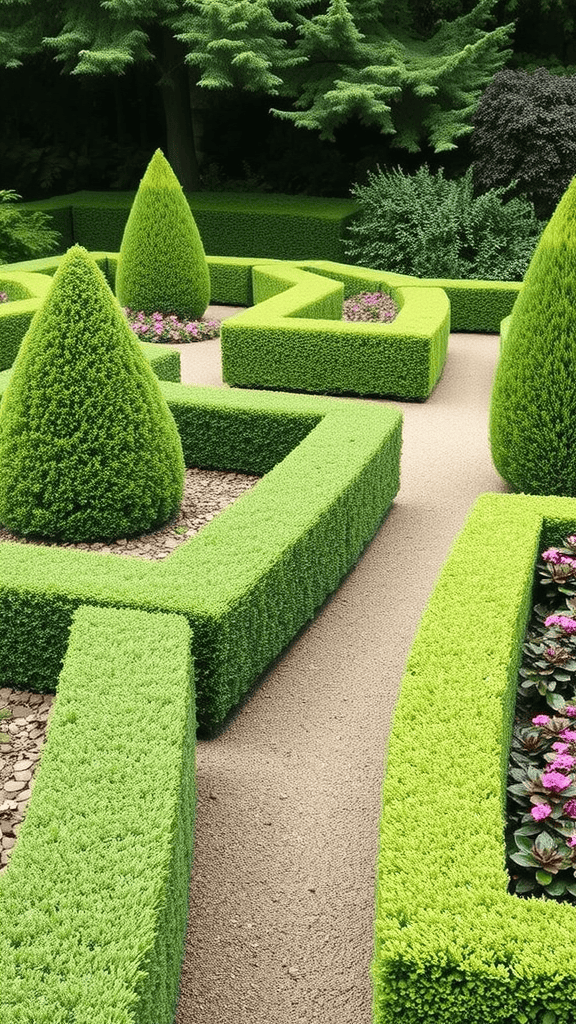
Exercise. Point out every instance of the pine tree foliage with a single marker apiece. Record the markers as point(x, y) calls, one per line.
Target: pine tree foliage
point(417, 90)
point(236, 44)
point(354, 59)
point(533, 407)
point(162, 265)
point(89, 449)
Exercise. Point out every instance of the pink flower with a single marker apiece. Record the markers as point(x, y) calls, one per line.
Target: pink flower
point(551, 555)
point(554, 781)
point(568, 625)
point(568, 734)
point(571, 841)
point(541, 719)
point(570, 808)
point(570, 711)
point(541, 811)
point(563, 763)
point(561, 747)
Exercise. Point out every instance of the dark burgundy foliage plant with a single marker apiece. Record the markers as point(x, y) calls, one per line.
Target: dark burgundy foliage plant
point(524, 130)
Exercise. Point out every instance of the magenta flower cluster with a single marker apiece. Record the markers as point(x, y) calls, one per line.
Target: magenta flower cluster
point(555, 557)
point(370, 307)
point(567, 624)
point(157, 328)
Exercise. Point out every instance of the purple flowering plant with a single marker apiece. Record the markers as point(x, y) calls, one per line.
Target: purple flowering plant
point(549, 652)
point(163, 329)
point(541, 813)
point(370, 307)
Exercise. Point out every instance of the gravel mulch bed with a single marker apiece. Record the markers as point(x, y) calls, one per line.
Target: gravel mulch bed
point(206, 493)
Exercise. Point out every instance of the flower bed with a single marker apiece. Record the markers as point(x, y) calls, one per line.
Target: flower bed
point(452, 944)
point(541, 824)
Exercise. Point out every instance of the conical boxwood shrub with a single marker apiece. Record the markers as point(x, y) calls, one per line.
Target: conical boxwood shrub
point(533, 407)
point(88, 446)
point(162, 265)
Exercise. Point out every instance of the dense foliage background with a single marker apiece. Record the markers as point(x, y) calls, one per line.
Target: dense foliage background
point(294, 96)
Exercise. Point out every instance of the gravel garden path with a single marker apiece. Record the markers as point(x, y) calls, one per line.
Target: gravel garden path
point(282, 890)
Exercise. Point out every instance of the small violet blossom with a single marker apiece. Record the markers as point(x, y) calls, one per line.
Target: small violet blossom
point(541, 719)
point(541, 811)
point(571, 841)
point(569, 735)
point(568, 625)
point(570, 808)
point(562, 748)
point(570, 711)
point(554, 781)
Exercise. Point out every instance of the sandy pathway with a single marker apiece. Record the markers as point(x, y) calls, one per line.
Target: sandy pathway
point(282, 891)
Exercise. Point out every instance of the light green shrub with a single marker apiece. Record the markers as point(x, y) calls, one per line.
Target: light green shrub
point(425, 225)
point(533, 408)
point(162, 265)
point(88, 446)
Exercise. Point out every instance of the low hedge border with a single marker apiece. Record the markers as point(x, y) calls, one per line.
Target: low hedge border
point(477, 306)
point(94, 902)
point(253, 576)
point(294, 338)
point(233, 224)
point(278, 342)
point(27, 290)
point(452, 946)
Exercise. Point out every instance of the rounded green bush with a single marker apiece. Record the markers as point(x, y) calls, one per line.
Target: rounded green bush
point(533, 407)
point(89, 449)
point(162, 265)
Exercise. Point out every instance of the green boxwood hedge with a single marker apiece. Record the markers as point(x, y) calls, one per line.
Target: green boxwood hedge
point(452, 946)
point(230, 224)
point(478, 306)
point(294, 338)
point(95, 899)
point(254, 575)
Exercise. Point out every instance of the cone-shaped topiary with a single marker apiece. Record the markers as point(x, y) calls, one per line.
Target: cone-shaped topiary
point(88, 446)
point(162, 265)
point(533, 408)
